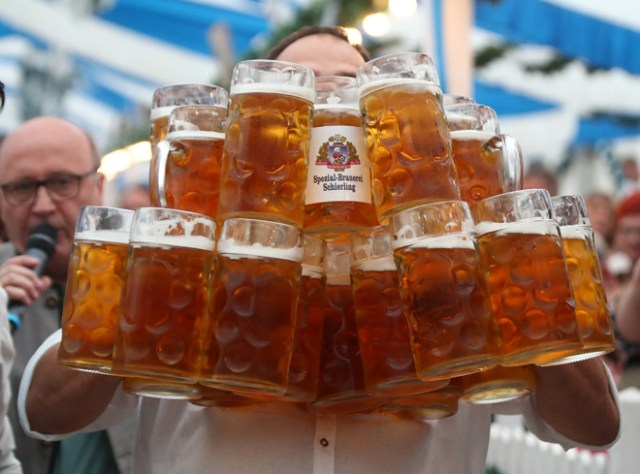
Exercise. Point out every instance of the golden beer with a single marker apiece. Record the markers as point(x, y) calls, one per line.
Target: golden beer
point(94, 283)
point(193, 172)
point(164, 308)
point(341, 387)
point(409, 145)
point(92, 302)
point(383, 332)
point(164, 100)
point(592, 311)
point(254, 296)
point(249, 344)
point(447, 306)
point(305, 359)
point(264, 160)
point(165, 302)
point(480, 167)
point(530, 291)
point(498, 384)
point(338, 191)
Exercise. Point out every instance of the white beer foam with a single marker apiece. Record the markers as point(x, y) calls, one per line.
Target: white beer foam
point(160, 112)
point(351, 108)
point(463, 135)
point(229, 247)
point(306, 93)
point(421, 84)
point(537, 226)
point(376, 264)
point(183, 241)
point(108, 236)
point(194, 135)
point(159, 232)
point(446, 241)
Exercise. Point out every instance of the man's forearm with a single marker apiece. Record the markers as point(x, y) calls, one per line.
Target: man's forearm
point(575, 399)
point(62, 400)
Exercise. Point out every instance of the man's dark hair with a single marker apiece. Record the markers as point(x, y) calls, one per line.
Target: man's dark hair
point(336, 31)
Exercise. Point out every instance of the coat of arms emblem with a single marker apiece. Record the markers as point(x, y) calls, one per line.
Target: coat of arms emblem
point(337, 153)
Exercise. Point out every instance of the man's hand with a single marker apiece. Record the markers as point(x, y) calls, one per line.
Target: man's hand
point(20, 281)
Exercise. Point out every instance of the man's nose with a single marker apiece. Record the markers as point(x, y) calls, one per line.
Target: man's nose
point(42, 202)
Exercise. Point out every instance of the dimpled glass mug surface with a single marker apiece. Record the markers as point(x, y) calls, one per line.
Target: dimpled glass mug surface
point(383, 332)
point(190, 177)
point(592, 310)
point(91, 311)
point(487, 162)
point(265, 154)
point(165, 301)
point(444, 291)
point(164, 100)
point(254, 294)
point(408, 140)
point(522, 253)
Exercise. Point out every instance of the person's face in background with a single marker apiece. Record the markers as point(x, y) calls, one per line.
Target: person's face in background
point(38, 149)
point(627, 236)
point(602, 216)
point(326, 54)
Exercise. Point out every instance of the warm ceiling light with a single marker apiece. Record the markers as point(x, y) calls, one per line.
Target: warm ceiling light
point(403, 8)
point(122, 159)
point(376, 24)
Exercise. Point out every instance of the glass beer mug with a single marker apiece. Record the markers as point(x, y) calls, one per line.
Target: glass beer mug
point(264, 159)
point(338, 193)
point(487, 163)
point(312, 302)
point(164, 100)
point(254, 294)
point(408, 140)
point(498, 384)
point(91, 311)
point(189, 174)
point(592, 311)
point(444, 291)
point(341, 387)
point(523, 256)
point(165, 302)
point(383, 332)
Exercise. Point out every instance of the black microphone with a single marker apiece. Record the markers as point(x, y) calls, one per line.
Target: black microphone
point(41, 244)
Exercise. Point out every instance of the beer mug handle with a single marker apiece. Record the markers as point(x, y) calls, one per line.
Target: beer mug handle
point(512, 158)
point(163, 154)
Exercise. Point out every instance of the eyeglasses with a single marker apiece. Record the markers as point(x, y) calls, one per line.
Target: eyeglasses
point(59, 187)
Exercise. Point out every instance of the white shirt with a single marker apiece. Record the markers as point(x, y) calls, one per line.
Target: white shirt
point(8, 461)
point(176, 437)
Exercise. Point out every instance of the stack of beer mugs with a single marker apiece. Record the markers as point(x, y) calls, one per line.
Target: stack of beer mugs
point(342, 244)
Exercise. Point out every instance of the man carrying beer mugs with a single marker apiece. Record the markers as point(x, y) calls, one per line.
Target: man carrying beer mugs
point(574, 405)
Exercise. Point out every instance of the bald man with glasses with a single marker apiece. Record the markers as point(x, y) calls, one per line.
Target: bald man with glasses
point(48, 171)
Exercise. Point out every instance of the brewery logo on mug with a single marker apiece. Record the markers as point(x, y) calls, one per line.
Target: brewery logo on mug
point(337, 153)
